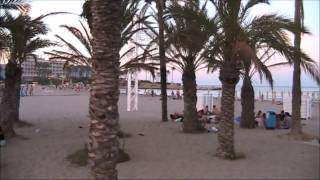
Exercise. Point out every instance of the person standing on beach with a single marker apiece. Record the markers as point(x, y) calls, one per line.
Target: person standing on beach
point(178, 94)
point(31, 90)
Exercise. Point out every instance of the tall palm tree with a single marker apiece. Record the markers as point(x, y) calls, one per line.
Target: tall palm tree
point(159, 17)
point(296, 128)
point(104, 95)
point(300, 62)
point(237, 45)
point(247, 90)
point(162, 57)
point(187, 37)
point(24, 41)
point(228, 12)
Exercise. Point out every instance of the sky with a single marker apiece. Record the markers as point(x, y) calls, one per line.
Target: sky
point(282, 75)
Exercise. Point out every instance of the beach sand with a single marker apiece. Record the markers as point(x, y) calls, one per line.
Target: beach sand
point(163, 152)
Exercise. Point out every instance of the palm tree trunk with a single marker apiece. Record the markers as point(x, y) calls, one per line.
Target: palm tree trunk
point(229, 77)
point(191, 124)
point(9, 113)
point(296, 86)
point(103, 143)
point(247, 104)
point(163, 69)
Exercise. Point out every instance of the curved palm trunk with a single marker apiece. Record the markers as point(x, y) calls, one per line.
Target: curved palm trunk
point(191, 124)
point(296, 128)
point(9, 112)
point(229, 76)
point(163, 69)
point(103, 146)
point(247, 104)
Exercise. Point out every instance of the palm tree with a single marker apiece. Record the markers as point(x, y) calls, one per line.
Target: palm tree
point(162, 57)
point(228, 12)
point(187, 35)
point(247, 90)
point(237, 47)
point(308, 66)
point(104, 95)
point(6, 5)
point(20, 5)
point(82, 52)
point(24, 41)
point(159, 17)
point(296, 129)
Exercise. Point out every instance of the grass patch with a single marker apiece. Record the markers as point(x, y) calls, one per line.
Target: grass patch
point(80, 157)
point(21, 123)
point(123, 156)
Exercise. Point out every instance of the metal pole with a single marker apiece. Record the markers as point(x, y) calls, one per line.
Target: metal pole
point(129, 91)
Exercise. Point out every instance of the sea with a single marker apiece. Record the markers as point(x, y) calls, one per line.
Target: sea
point(265, 92)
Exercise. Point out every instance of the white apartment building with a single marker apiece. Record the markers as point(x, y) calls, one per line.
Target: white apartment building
point(31, 71)
point(57, 68)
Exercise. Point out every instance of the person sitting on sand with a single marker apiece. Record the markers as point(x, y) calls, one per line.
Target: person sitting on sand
point(216, 112)
point(206, 111)
point(287, 121)
point(280, 119)
point(264, 118)
point(259, 119)
point(176, 117)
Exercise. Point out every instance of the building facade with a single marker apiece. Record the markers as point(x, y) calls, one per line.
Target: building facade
point(42, 69)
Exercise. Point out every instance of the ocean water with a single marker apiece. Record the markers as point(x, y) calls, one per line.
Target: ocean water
point(265, 91)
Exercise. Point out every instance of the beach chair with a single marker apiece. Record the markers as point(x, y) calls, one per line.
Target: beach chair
point(271, 120)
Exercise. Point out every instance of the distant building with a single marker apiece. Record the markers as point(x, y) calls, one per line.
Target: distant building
point(78, 72)
point(43, 68)
point(57, 69)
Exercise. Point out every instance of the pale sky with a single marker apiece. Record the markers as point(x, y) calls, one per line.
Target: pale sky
point(282, 76)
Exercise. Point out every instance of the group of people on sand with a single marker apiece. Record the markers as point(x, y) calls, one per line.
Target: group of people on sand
point(283, 120)
point(177, 95)
point(204, 116)
point(26, 90)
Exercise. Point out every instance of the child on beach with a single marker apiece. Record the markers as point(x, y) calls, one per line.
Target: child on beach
point(31, 90)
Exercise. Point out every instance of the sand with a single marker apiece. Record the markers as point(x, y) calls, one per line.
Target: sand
point(163, 152)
